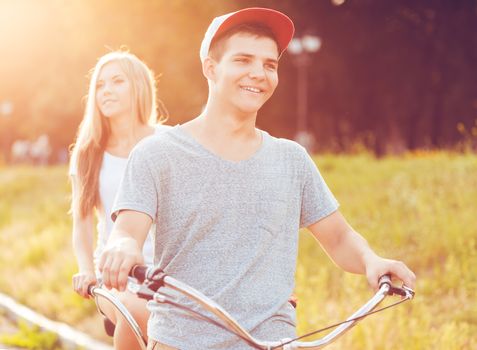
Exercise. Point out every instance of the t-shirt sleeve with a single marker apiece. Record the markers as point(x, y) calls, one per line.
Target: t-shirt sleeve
point(137, 190)
point(317, 199)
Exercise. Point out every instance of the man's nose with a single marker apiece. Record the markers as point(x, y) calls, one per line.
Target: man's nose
point(257, 71)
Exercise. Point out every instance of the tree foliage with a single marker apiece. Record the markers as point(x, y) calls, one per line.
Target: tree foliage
point(392, 75)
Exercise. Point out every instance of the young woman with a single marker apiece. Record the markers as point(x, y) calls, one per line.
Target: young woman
point(121, 109)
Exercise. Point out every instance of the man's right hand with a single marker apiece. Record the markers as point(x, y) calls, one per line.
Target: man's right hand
point(117, 260)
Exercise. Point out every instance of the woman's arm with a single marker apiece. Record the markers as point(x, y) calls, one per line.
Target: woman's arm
point(82, 238)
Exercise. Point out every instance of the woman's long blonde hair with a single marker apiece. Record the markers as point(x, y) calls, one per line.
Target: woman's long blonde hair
point(94, 130)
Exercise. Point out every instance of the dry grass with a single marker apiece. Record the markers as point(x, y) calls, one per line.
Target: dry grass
point(421, 208)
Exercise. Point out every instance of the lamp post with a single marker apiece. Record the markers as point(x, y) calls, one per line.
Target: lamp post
point(301, 49)
point(6, 110)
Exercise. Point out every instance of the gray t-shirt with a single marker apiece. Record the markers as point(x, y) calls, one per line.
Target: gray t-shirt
point(228, 229)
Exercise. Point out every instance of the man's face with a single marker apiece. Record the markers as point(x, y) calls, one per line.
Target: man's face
point(247, 74)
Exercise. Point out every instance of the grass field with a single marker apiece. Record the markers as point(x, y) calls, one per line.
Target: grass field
point(420, 208)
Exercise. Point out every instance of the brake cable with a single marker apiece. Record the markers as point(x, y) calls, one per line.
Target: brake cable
point(201, 316)
point(339, 324)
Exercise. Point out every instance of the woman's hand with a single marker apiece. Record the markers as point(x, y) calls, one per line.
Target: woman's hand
point(82, 281)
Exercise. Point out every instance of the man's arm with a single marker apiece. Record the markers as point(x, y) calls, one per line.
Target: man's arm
point(351, 252)
point(124, 248)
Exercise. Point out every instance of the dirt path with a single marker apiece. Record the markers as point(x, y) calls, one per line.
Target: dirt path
point(69, 337)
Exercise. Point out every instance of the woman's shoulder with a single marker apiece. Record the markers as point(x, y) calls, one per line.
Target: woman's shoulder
point(152, 143)
point(73, 164)
point(158, 128)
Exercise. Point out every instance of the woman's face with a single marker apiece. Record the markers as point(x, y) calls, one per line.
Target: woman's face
point(113, 91)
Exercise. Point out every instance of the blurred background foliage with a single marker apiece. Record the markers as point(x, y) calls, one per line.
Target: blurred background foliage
point(390, 76)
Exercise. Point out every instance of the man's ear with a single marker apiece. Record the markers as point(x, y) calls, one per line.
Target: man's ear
point(208, 68)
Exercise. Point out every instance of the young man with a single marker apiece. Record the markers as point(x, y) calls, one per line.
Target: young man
point(228, 199)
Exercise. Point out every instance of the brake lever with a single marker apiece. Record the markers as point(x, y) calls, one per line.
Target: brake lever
point(403, 291)
point(148, 281)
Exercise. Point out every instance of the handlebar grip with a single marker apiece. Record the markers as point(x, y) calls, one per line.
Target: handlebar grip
point(385, 279)
point(139, 272)
point(91, 287)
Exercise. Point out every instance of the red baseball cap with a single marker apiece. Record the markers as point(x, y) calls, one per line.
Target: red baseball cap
point(280, 24)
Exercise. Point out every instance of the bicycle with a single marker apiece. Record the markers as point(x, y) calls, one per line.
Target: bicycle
point(150, 280)
point(96, 291)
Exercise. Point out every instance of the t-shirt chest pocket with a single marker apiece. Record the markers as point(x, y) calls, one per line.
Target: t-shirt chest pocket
point(272, 210)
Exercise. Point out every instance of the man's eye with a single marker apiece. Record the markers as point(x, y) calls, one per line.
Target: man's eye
point(118, 81)
point(271, 66)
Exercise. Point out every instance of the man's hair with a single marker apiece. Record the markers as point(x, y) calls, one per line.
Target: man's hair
point(257, 29)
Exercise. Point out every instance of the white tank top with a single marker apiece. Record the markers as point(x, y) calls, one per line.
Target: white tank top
point(111, 172)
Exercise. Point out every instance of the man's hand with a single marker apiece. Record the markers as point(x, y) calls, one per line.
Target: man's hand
point(124, 248)
point(350, 251)
point(117, 260)
point(377, 267)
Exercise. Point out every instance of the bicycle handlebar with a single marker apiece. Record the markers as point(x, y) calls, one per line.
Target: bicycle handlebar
point(96, 291)
point(152, 279)
point(140, 272)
